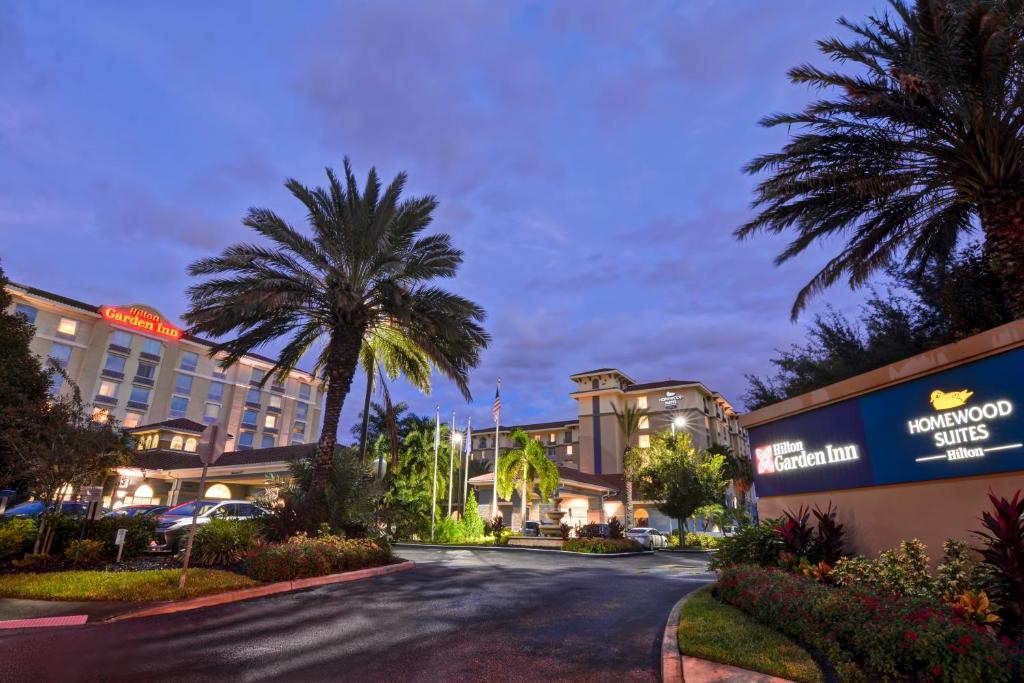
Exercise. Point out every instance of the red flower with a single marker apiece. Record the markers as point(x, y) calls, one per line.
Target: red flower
point(966, 640)
point(936, 671)
point(910, 635)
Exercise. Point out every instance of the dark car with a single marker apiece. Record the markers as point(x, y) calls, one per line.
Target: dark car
point(34, 508)
point(138, 511)
point(531, 529)
point(172, 528)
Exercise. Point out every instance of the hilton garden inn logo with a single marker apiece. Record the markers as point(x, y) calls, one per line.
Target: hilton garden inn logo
point(959, 430)
point(786, 456)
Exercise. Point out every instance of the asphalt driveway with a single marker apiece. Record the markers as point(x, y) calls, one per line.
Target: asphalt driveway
point(460, 615)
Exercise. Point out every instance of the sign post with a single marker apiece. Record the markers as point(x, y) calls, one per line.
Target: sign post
point(119, 542)
point(211, 446)
point(5, 495)
point(91, 496)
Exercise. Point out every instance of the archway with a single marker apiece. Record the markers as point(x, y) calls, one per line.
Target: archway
point(218, 491)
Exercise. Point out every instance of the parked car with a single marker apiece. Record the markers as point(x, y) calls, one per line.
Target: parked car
point(531, 529)
point(34, 508)
point(648, 537)
point(172, 529)
point(138, 511)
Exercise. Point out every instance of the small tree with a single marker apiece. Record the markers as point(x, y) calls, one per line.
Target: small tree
point(522, 467)
point(629, 422)
point(681, 477)
point(738, 469)
point(471, 519)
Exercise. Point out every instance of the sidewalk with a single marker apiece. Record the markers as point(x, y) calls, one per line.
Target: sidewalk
point(14, 609)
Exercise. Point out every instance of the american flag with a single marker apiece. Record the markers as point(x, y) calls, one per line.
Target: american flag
point(496, 411)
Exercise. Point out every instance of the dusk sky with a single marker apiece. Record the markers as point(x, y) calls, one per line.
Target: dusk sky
point(586, 155)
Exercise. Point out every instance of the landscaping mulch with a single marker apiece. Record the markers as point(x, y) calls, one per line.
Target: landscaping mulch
point(60, 564)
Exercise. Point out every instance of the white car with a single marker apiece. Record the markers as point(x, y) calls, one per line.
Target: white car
point(648, 537)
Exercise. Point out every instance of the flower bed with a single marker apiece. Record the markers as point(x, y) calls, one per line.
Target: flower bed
point(303, 557)
point(602, 545)
point(862, 630)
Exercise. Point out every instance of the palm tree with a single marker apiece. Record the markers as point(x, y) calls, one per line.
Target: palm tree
point(363, 277)
point(629, 423)
point(920, 142)
point(738, 470)
point(522, 467)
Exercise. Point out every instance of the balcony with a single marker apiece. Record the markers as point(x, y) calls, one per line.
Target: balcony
point(142, 381)
point(107, 400)
point(117, 348)
point(138, 405)
point(112, 374)
point(150, 356)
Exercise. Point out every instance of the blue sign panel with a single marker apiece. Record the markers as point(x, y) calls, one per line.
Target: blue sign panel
point(965, 421)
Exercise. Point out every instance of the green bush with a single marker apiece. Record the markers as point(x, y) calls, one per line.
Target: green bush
point(758, 544)
point(449, 530)
point(140, 532)
point(702, 541)
point(303, 557)
point(601, 545)
point(225, 541)
point(869, 632)
point(86, 551)
point(16, 537)
point(472, 522)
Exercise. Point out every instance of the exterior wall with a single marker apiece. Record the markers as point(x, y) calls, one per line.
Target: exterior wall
point(561, 441)
point(91, 346)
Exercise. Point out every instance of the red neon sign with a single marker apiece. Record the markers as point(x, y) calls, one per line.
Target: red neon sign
point(138, 319)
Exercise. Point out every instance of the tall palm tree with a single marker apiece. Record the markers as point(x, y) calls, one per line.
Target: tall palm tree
point(363, 276)
point(629, 423)
point(913, 146)
point(523, 467)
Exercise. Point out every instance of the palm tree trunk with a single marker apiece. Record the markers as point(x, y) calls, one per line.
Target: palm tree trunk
point(522, 520)
point(1002, 219)
point(628, 495)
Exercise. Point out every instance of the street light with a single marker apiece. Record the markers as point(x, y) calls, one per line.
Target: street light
point(679, 422)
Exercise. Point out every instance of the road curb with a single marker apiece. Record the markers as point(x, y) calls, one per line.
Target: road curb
point(437, 546)
point(671, 656)
point(261, 591)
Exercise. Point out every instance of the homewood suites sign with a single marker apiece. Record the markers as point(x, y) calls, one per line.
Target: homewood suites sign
point(960, 422)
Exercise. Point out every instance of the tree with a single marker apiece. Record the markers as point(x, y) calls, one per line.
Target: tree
point(680, 477)
point(737, 469)
point(629, 423)
point(409, 484)
point(471, 520)
point(523, 468)
point(362, 278)
point(919, 141)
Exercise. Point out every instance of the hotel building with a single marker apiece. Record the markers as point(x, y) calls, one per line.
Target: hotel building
point(132, 364)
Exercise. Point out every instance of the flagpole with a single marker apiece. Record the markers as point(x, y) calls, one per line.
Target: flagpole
point(497, 421)
point(433, 493)
point(465, 469)
point(451, 464)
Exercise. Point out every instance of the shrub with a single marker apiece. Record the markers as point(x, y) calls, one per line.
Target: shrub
point(757, 544)
point(495, 526)
point(302, 557)
point(472, 523)
point(1003, 554)
point(886, 636)
point(615, 528)
point(86, 550)
point(140, 532)
point(903, 571)
point(601, 545)
point(796, 531)
point(225, 541)
point(565, 530)
point(449, 530)
point(591, 530)
point(16, 537)
point(702, 541)
point(829, 544)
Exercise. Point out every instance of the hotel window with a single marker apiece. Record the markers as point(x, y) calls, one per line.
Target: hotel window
point(132, 419)
point(152, 347)
point(211, 412)
point(245, 439)
point(253, 397)
point(552, 437)
point(139, 395)
point(27, 311)
point(146, 371)
point(60, 353)
point(644, 422)
point(567, 437)
point(183, 384)
point(304, 391)
point(568, 450)
point(301, 411)
point(299, 429)
point(101, 415)
point(270, 422)
point(641, 402)
point(274, 401)
point(67, 328)
point(257, 376)
point(108, 389)
point(121, 338)
point(191, 444)
point(645, 441)
point(219, 373)
point(189, 361)
point(179, 406)
point(267, 441)
point(249, 417)
point(114, 363)
point(177, 443)
point(216, 391)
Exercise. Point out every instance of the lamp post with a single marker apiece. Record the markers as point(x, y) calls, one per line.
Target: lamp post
point(678, 422)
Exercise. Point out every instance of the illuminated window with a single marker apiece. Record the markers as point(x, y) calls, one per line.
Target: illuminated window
point(139, 395)
point(211, 412)
point(179, 406)
point(249, 417)
point(177, 443)
point(304, 390)
point(568, 450)
point(152, 347)
point(115, 363)
point(641, 402)
point(268, 441)
point(189, 361)
point(153, 441)
point(144, 491)
point(132, 419)
point(108, 389)
point(67, 328)
point(218, 491)
point(644, 422)
point(301, 411)
point(274, 401)
point(191, 444)
point(245, 439)
point(645, 441)
point(642, 518)
point(26, 312)
point(299, 428)
point(101, 415)
point(552, 437)
point(216, 391)
point(121, 338)
point(183, 384)
point(270, 422)
point(253, 396)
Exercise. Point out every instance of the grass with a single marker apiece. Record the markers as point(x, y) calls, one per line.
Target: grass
point(712, 630)
point(145, 586)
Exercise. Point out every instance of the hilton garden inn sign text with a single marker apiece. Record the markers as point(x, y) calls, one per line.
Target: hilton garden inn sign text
point(960, 422)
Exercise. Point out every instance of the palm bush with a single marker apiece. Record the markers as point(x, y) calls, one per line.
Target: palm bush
point(363, 276)
point(917, 140)
point(523, 467)
point(225, 541)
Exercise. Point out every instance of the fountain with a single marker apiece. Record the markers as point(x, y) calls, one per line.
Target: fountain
point(554, 527)
point(550, 533)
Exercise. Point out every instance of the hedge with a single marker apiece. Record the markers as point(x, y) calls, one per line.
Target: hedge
point(601, 545)
point(303, 557)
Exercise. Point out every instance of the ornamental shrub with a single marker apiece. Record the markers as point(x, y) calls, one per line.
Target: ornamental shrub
point(702, 541)
point(601, 545)
point(757, 544)
point(303, 557)
point(615, 528)
point(903, 571)
point(1003, 556)
point(225, 541)
point(87, 550)
point(140, 532)
point(16, 537)
point(867, 632)
point(472, 522)
point(449, 530)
